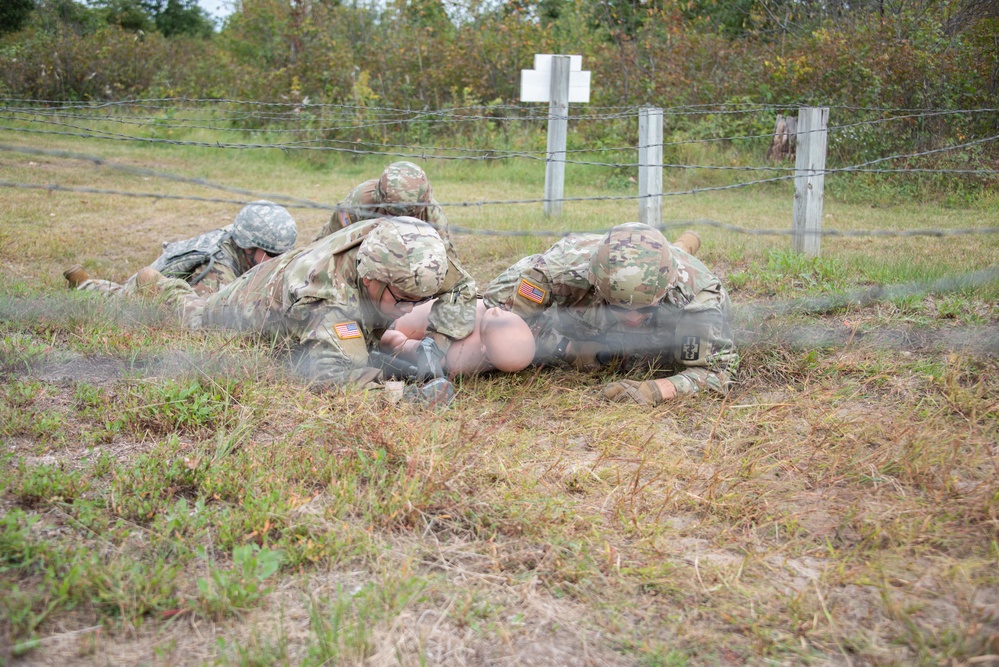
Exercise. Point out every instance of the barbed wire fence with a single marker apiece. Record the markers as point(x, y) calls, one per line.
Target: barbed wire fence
point(139, 121)
point(296, 127)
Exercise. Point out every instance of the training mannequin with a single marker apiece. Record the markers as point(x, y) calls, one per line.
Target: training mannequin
point(500, 341)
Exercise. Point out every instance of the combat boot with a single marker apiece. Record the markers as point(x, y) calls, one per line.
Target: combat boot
point(75, 276)
point(689, 242)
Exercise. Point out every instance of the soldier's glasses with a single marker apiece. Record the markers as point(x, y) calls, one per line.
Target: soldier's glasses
point(400, 301)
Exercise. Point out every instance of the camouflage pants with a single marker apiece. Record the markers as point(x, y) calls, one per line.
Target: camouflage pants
point(108, 287)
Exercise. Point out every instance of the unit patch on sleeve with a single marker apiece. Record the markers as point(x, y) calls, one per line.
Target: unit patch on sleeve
point(344, 218)
point(691, 348)
point(530, 291)
point(347, 330)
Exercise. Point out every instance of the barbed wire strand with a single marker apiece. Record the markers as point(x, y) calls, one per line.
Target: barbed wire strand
point(769, 168)
point(493, 154)
point(706, 108)
point(458, 229)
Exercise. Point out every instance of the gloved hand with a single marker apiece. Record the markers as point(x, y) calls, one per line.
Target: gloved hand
point(428, 360)
point(624, 391)
point(586, 355)
point(438, 393)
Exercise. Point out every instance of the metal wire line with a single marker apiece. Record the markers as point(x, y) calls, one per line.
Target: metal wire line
point(143, 171)
point(421, 118)
point(309, 204)
point(298, 145)
point(181, 125)
point(486, 154)
point(706, 108)
point(458, 229)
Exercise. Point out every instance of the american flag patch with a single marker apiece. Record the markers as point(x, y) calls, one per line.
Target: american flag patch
point(344, 218)
point(530, 291)
point(346, 330)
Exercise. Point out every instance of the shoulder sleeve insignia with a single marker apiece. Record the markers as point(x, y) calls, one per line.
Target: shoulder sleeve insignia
point(531, 292)
point(347, 330)
point(344, 218)
point(690, 348)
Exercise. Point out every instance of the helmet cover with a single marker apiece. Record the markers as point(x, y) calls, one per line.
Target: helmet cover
point(405, 253)
point(633, 267)
point(265, 225)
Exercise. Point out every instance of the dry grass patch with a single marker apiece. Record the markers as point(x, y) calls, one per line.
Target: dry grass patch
point(839, 506)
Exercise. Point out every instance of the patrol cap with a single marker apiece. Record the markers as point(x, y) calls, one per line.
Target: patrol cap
point(405, 253)
point(633, 267)
point(401, 185)
point(265, 225)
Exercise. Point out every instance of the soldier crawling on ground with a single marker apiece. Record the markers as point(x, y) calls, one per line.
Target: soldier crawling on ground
point(332, 300)
point(402, 190)
point(629, 296)
point(261, 230)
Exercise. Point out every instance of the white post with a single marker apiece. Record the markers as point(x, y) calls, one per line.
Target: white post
point(809, 179)
point(650, 166)
point(558, 130)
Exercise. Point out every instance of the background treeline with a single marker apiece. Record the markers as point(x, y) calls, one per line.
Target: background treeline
point(429, 54)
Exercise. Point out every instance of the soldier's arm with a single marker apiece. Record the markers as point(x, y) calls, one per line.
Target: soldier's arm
point(436, 217)
point(703, 345)
point(453, 314)
point(525, 288)
point(332, 348)
point(338, 220)
point(216, 276)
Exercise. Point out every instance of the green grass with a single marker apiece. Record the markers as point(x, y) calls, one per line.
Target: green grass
point(841, 501)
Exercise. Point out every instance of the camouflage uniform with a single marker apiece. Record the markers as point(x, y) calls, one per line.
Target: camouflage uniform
point(216, 258)
point(401, 184)
point(315, 299)
point(557, 293)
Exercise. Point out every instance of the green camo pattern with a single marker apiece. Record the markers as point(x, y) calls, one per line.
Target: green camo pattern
point(265, 225)
point(230, 262)
point(633, 266)
point(298, 299)
point(689, 331)
point(400, 182)
point(406, 253)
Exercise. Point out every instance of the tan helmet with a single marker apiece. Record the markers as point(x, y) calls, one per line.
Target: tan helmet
point(633, 267)
point(405, 253)
point(401, 185)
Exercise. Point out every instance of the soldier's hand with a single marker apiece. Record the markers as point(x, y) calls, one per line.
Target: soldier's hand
point(586, 355)
point(643, 393)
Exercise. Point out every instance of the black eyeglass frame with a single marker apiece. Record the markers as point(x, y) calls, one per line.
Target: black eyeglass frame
point(411, 302)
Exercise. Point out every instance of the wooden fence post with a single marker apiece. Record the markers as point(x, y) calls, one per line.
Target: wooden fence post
point(809, 180)
point(650, 166)
point(558, 130)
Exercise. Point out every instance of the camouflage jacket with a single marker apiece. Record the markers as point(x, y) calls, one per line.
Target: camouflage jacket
point(363, 204)
point(689, 330)
point(314, 299)
point(226, 263)
point(182, 260)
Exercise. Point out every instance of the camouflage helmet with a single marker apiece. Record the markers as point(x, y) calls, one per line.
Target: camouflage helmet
point(265, 225)
point(405, 253)
point(401, 185)
point(633, 267)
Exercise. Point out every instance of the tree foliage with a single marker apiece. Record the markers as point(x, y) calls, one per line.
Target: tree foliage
point(431, 54)
point(14, 14)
